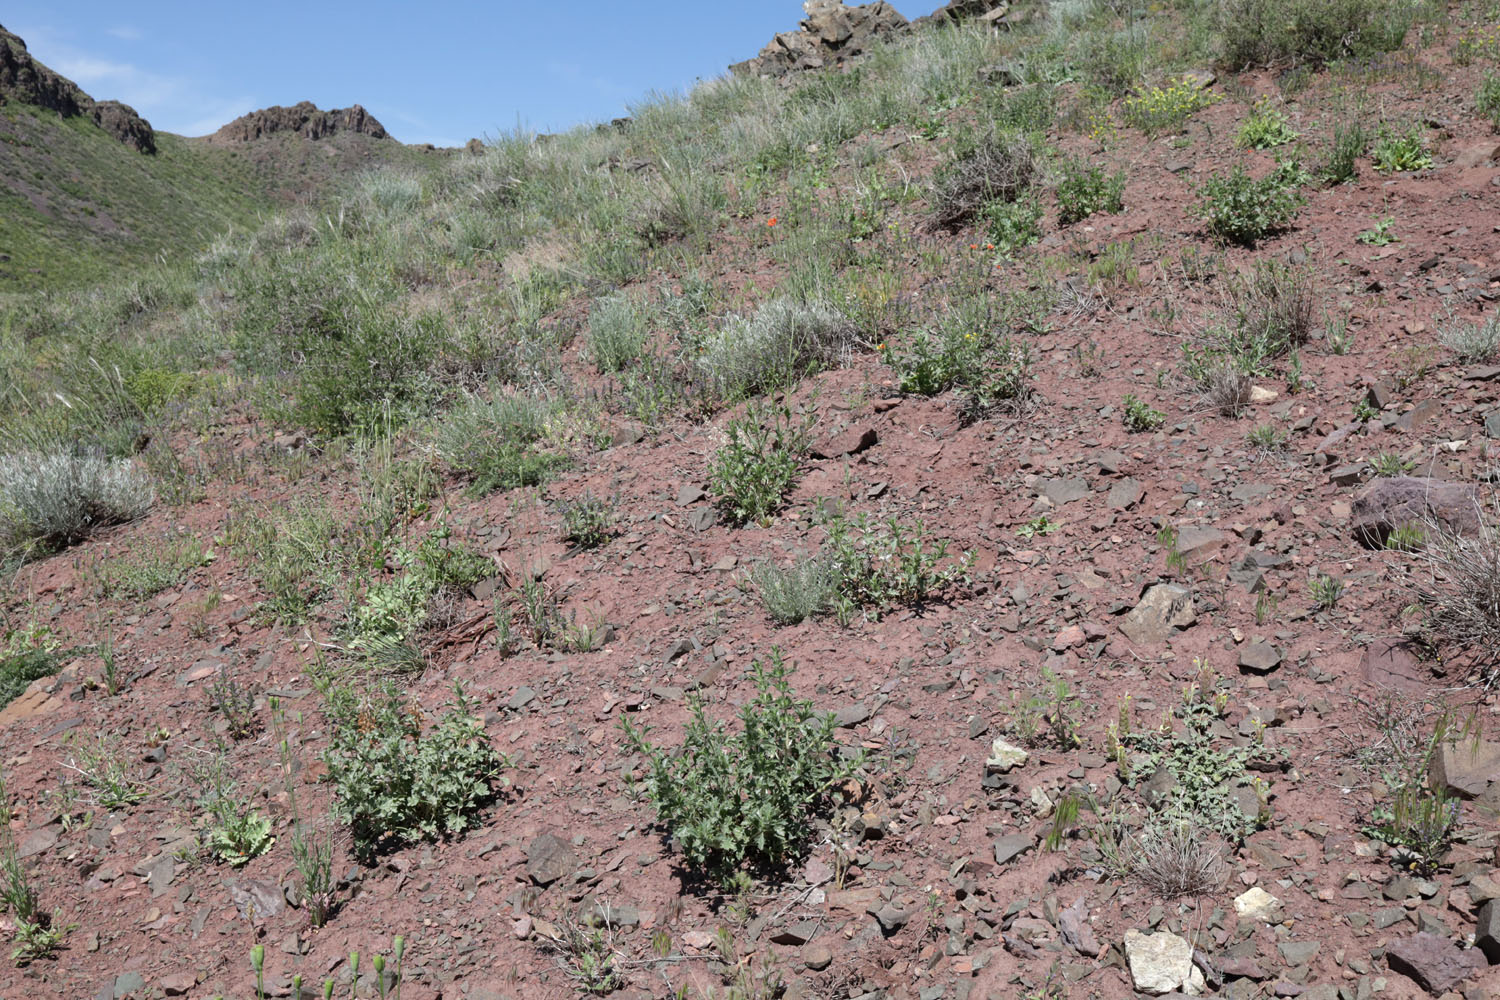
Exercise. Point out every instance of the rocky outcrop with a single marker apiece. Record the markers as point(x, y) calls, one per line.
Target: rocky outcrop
point(830, 34)
point(1388, 503)
point(27, 81)
point(964, 10)
point(305, 119)
point(121, 121)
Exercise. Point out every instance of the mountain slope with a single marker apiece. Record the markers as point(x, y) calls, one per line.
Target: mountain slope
point(88, 188)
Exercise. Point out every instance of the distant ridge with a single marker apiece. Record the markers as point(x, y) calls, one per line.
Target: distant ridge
point(304, 119)
point(27, 81)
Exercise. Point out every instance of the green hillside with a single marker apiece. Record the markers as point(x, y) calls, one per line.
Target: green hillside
point(76, 205)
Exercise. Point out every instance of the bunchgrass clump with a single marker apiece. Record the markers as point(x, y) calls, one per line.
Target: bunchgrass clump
point(617, 332)
point(500, 442)
point(739, 802)
point(21, 666)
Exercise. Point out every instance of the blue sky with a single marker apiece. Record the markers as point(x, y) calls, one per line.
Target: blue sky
point(435, 72)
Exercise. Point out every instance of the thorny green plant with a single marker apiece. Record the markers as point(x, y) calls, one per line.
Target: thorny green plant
point(397, 782)
point(1139, 416)
point(1048, 712)
point(101, 765)
point(738, 802)
point(756, 468)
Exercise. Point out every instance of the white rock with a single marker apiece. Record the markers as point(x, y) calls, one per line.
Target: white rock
point(1040, 802)
point(1258, 904)
point(1159, 963)
point(1260, 394)
point(1004, 756)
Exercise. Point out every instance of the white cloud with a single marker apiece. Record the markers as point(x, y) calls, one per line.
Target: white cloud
point(170, 103)
point(126, 33)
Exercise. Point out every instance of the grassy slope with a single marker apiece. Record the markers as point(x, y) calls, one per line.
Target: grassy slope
point(77, 207)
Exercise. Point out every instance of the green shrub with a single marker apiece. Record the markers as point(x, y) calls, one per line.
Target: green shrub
point(617, 332)
point(993, 166)
point(1240, 209)
point(153, 388)
point(51, 501)
point(740, 802)
point(1487, 100)
point(753, 472)
point(1084, 191)
point(880, 567)
point(1297, 32)
point(1400, 151)
point(328, 329)
point(965, 353)
point(1138, 416)
point(1011, 225)
point(395, 783)
point(783, 342)
point(1266, 127)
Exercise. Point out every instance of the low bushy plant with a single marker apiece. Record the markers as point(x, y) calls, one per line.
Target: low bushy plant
point(1309, 32)
point(736, 802)
point(1487, 100)
point(1139, 416)
point(589, 521)
point(878, 567)
point(783, 342)
point(1397, 151)
point(51, 501)
point(1085, 190)
point(1265, 128)
point(396, 782)
point(992, 166)
point(1161, 109)
point(755, 469)
point(1242, 209)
